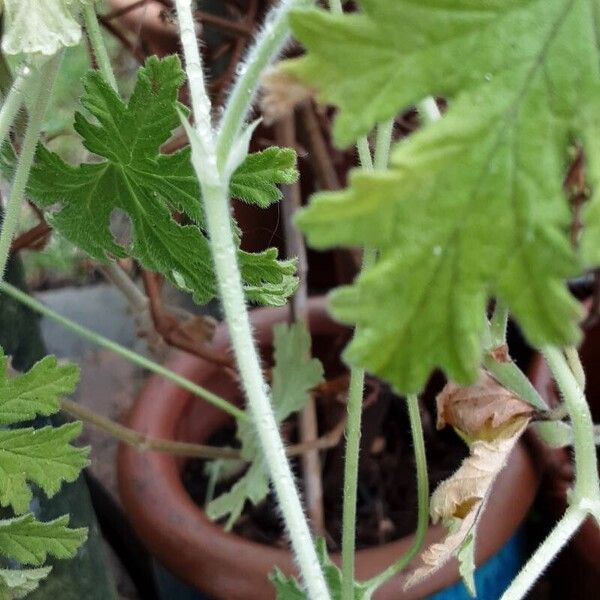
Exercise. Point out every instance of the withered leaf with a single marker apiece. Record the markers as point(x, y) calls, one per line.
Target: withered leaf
point(480, 409)
point(281, 93)
point(493, 419)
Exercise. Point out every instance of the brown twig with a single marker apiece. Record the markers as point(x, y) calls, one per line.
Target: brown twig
point(174, 332)
point(146, 443)
point(238, 29)
point(133, 48)
point(33, 239)
point(308, 423)
point(120, 12)
point(319, 154)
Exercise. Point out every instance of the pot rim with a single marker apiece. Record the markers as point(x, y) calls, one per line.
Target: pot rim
point(227, 566)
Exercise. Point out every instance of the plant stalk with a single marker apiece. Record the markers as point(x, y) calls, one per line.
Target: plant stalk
point(585, 498)
point(548, 549)
point(498, 324)
point(216, 204)
point(97, 42)
point(26, 157)
point(267, 46)
point(19, 89)
point(356, 389)
point(587, 484)
point(130, 355)
point(145, 443)
point(416, 429)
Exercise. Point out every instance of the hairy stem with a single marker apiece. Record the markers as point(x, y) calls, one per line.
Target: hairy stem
point(548, 549)
point(232, 297)
point(218, 218)
point(416, 429)
point(586, 495)
point(587, 484)
point(145, 443)
point(21, 86)
point(572, 356)
point(355, 391)
point(429, 111)
point(97, 42)
point(25, 160)
point(498, 324)
point(130, 355)
point(267, 46)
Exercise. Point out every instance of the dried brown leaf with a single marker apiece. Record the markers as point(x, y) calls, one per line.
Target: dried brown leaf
point(493, 418)
point(480, 409)
point(281, 93)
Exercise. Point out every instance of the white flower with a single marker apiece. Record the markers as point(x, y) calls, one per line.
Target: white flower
point(40, 26)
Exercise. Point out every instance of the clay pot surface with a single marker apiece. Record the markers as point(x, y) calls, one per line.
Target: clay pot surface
point(150, 22)
point(226, 566)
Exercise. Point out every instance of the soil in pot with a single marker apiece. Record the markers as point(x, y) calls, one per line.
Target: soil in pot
point(387, 505)
point(227, 566)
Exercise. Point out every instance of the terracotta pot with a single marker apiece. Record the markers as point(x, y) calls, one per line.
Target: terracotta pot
point(224, 565)
point(149, 22)
point(578, 566)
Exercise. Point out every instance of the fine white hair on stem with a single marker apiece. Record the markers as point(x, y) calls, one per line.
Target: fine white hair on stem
point(268, 45)
point(213, 176)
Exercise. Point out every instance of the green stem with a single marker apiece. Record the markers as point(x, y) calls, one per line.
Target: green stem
point(97, 41)
point(215, 194)
point(383, 144)
point(364, 153)
point(14, 100)
point(429, 111)
point(587, 484)
point(416, 429)
point(585, 498)
point(548, 549)
point(134, 357)
point(145, 443)
point(335, 6)
point(511, 377)
point(25, 160)
point(572, 356)
point(498, 324)
point(356, 387)
point(269, 43)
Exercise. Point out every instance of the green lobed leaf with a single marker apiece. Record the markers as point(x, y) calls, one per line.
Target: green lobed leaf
point(30, 542)
point(267, 280)
point(295, 373)
point(36, 392)
point(255, 180)
point(253, 487)
point(42, 456)
point(134, 178)
point(288, 588)
point(19, 583)
point(473, 206)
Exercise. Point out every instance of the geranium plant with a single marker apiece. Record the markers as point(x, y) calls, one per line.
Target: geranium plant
point(468, 212)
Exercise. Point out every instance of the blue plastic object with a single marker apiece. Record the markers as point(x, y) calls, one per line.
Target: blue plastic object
point(493, 577)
